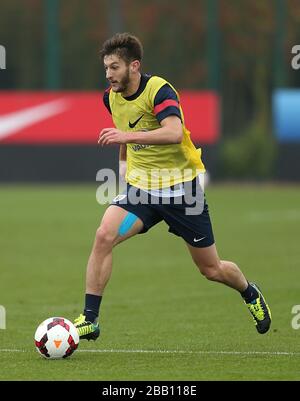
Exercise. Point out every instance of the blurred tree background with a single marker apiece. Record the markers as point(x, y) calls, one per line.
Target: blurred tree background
point(241, 48)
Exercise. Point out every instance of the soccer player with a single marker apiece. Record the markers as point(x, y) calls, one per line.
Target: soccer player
point(163, 171)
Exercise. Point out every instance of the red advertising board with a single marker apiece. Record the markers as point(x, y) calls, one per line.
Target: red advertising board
point(77, 117)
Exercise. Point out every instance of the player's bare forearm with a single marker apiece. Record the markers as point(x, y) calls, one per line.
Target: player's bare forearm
point(170, 132)
point(160, 136)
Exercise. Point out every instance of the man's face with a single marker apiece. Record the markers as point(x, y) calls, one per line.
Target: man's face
point(117, 72)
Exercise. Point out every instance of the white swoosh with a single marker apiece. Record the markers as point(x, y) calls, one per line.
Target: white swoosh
point(200, 239)
point(18, 120)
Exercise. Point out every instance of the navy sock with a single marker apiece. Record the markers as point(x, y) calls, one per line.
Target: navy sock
point(92, 306)
point(250, 294)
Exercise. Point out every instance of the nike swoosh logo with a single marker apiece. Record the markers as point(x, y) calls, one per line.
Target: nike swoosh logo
point(199, 239)
point(19, 120)
point(132, 125)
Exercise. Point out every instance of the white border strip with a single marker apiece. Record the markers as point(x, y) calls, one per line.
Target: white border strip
point(141, 351)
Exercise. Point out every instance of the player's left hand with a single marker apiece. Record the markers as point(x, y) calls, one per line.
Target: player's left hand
point(110, 136)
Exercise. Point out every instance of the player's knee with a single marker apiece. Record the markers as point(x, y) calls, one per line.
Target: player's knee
point(104, 237)
point(211, 272)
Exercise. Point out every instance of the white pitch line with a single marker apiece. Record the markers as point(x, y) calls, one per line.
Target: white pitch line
point(189, 352)
point(141, 351)
point(13, 350)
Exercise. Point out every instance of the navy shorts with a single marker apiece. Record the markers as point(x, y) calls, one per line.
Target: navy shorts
point(195, 228)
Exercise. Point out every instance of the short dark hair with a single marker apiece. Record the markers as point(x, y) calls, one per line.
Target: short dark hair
point(127, 46)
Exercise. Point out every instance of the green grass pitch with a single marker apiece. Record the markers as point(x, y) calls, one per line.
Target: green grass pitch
point(160, 319)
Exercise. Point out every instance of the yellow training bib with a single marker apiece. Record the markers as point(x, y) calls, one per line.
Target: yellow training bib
point(154, 166)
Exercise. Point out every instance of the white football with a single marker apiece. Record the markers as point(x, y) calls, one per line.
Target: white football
point(56, 338)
